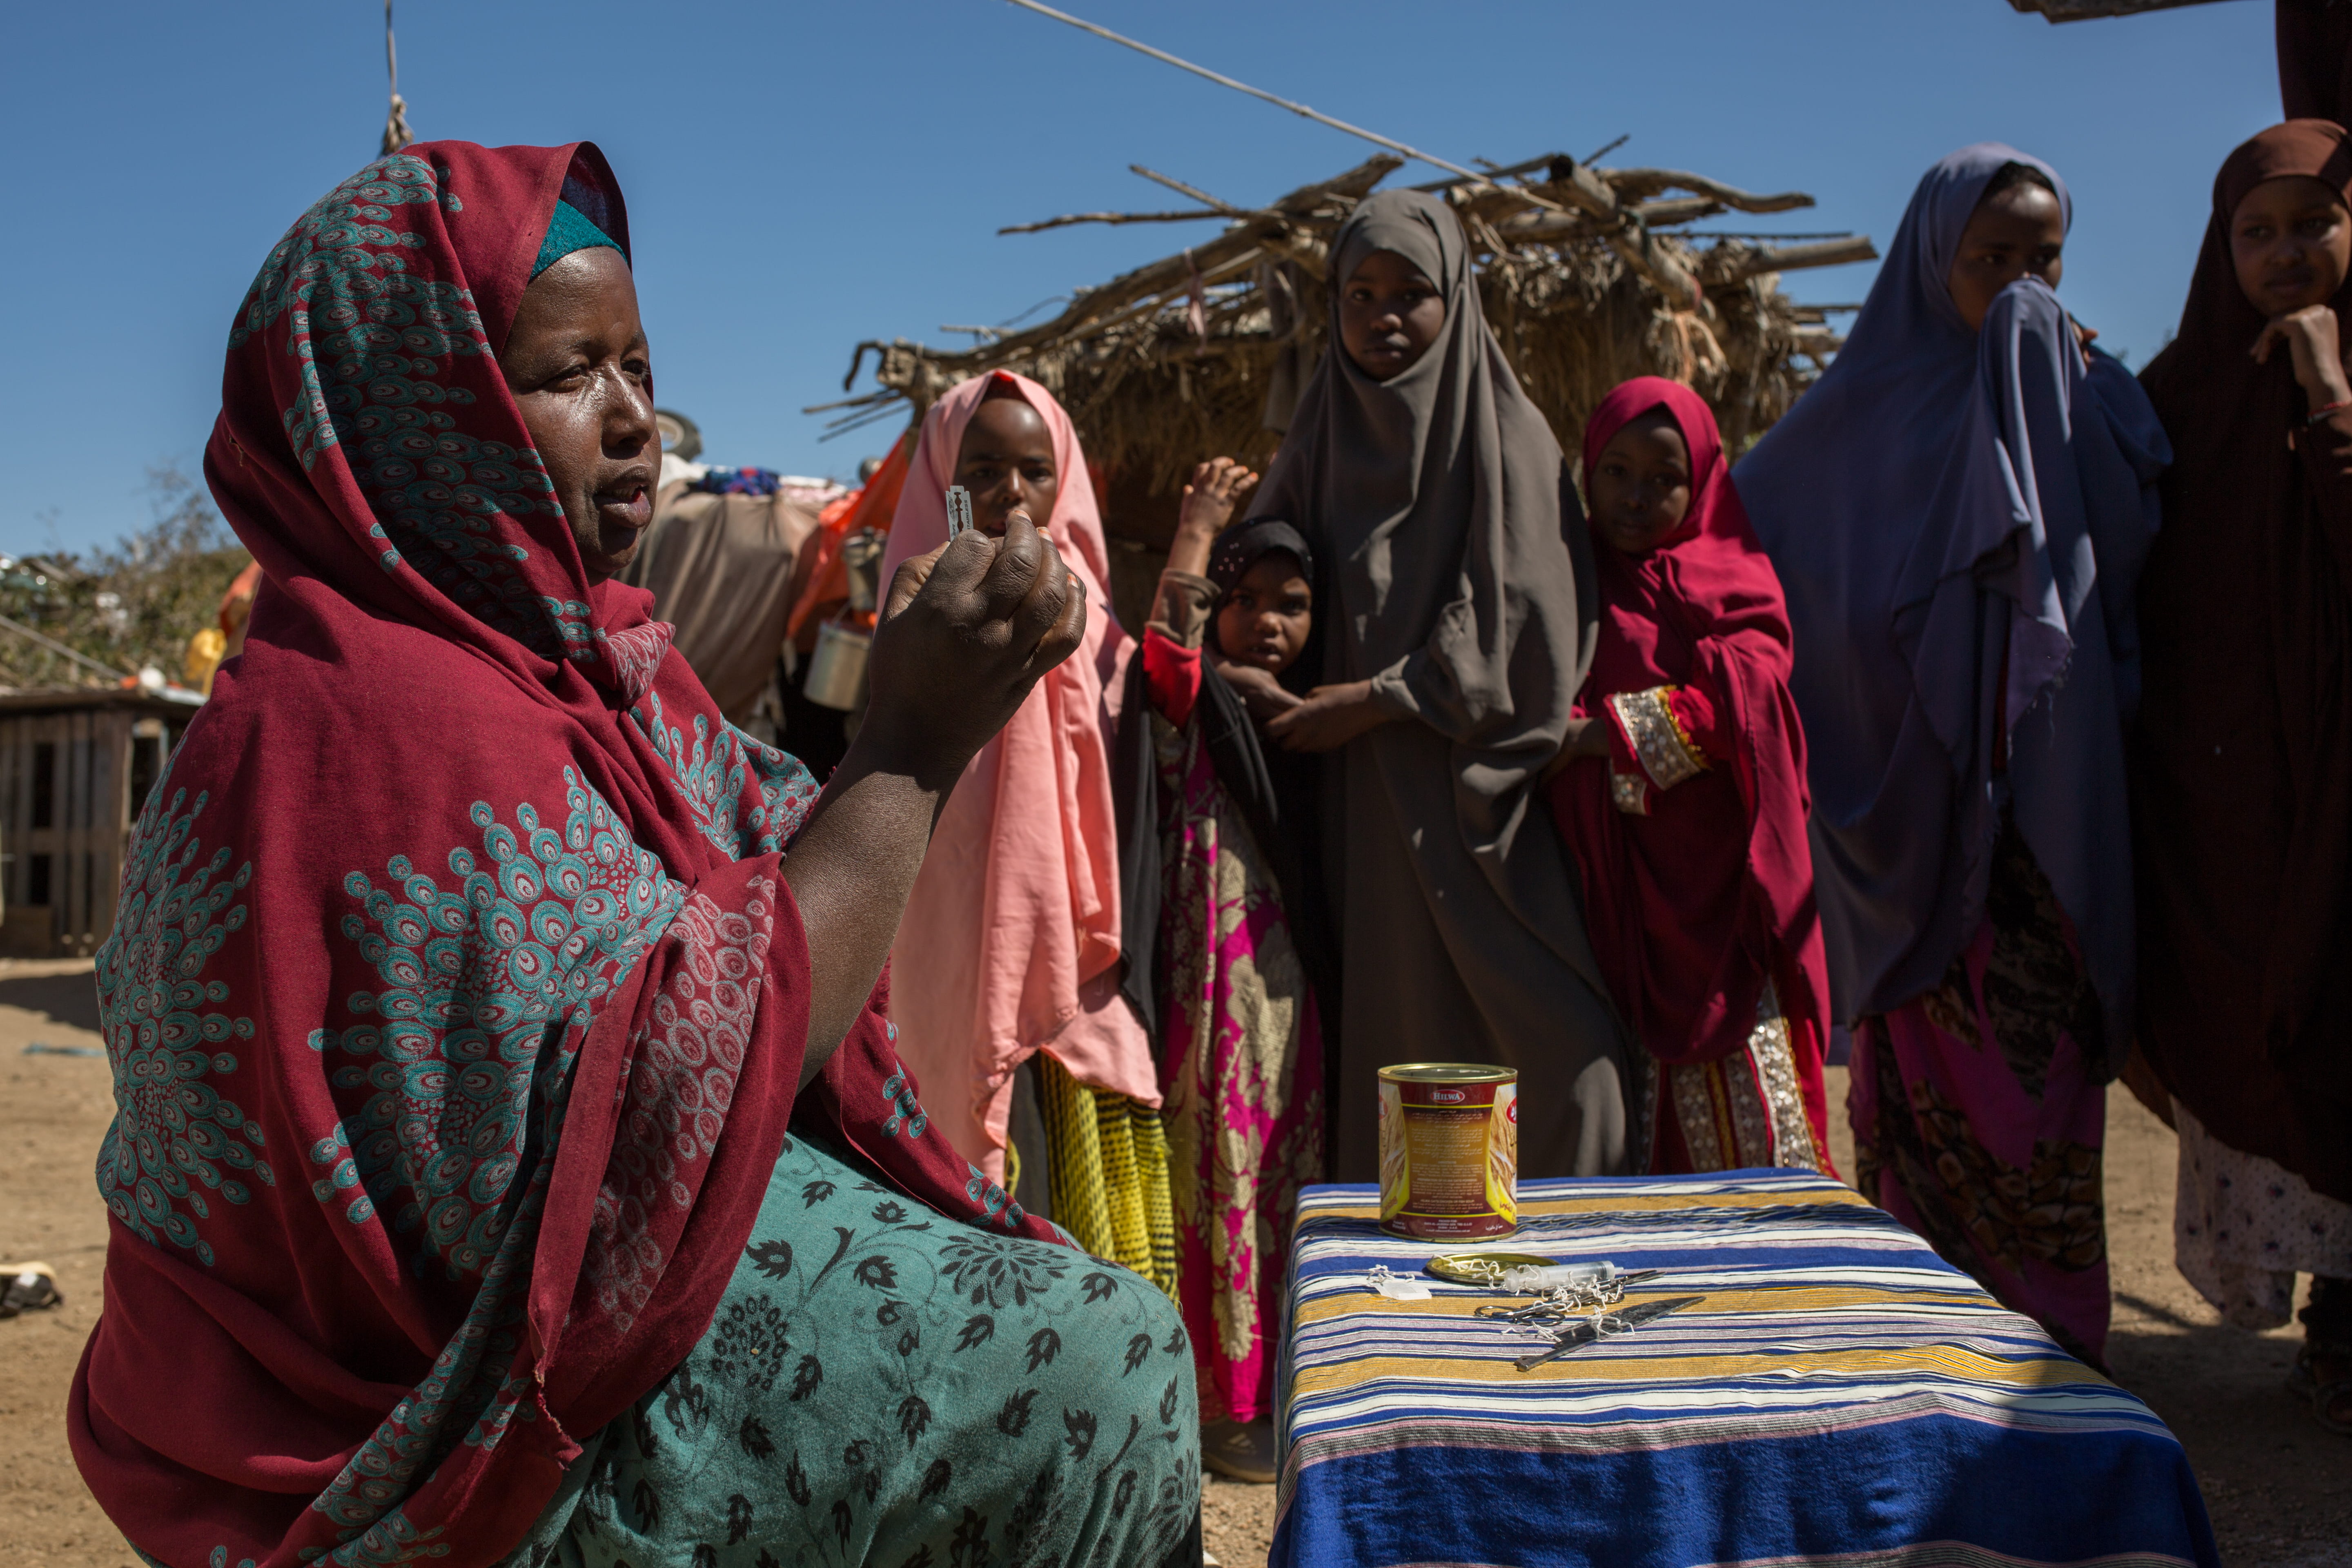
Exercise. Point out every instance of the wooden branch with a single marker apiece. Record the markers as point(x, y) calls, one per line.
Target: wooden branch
point(1632, 184)
point(1152, 278)
point(845, 426)
point(860, 401)
point(1574, 185)
point(1243, 241)
point(1068, 218)
point(1145, 307)
point(1540, 227)
point(1677, 209)
point(904, 362)
point(1524, 166)
point(1353, 185)
point(1583, 190)
point(1490, 202)
point(1790, 257)
point(1181, 189)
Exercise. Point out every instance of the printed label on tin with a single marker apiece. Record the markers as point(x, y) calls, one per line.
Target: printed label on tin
point(1395, 1158)
point(1449, 1157)
point(1448, 1154)
point(1503, 1154)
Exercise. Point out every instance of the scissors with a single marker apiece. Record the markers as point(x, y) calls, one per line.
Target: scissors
point(1576, 1336)
point(1569, 1302)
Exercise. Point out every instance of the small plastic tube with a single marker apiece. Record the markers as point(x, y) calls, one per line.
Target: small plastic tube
point(1527, 1281)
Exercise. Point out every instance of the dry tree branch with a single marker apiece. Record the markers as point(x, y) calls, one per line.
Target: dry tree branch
point(1068, 218)
point(1181, 189)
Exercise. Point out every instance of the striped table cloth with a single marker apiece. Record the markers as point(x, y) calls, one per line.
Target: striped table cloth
point(1841, 1395)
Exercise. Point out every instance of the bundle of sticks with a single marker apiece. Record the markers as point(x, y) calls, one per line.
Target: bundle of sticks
point(1588, 276)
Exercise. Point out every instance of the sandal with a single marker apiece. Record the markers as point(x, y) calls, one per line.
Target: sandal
point(30, 1287)
point(1244, 1453)
point(2324, 1397)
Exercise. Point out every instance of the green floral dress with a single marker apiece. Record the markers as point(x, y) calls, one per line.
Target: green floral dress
point(883, 1384)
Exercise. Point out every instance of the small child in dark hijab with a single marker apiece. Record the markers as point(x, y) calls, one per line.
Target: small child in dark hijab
point(1233, 999)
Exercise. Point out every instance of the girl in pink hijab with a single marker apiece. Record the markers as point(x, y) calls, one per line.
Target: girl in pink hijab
point(1010, 940)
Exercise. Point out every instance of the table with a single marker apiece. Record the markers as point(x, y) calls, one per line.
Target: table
point(1841, 1395)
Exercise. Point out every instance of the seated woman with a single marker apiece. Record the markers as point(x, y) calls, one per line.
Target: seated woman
point(1957, 511)
point(1241, 1039)
point(1683, 786)
point(470, 971)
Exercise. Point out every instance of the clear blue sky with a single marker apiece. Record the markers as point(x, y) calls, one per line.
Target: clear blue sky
point(801, 176)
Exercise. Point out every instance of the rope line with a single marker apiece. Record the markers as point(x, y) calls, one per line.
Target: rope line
point(1297, 108)
point(396, 133)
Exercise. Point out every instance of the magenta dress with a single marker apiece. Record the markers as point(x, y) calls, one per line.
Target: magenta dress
point(1242, 1051)
point(1979, 1120)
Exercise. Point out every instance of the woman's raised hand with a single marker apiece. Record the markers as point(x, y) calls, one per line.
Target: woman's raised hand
point(2310, 337)
point(966, 632)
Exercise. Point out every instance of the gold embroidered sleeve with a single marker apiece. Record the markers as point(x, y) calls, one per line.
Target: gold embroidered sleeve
point(1629, 793)
point(1664, 752)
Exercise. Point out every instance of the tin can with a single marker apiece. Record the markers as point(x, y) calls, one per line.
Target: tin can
point(836, 671)
point(1449, 1150)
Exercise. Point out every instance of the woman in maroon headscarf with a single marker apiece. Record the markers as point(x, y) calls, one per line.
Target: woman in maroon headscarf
point(470, 967)
point(2242, 784)
point(1682, 784)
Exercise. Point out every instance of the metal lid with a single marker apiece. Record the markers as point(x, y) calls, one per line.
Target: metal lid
point(1449, 1072)
point(1482, 1268)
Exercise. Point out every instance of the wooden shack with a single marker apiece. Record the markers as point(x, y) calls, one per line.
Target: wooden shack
point(76, 764)
point(1589, 274)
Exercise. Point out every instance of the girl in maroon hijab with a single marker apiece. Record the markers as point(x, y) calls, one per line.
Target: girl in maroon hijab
point(1682, 785)
point(2242, 787)
point(470, 969)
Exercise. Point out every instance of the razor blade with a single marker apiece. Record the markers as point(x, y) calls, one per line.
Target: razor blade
point(959, 510)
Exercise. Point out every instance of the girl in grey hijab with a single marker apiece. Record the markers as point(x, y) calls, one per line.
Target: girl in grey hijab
point(1435, 496)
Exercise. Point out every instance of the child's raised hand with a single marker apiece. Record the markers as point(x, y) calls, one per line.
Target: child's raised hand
point(1217, 487)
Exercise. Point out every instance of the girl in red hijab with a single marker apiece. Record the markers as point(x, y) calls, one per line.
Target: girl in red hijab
point(1682, 787)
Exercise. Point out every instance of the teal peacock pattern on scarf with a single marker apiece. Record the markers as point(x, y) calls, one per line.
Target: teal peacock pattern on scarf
point(481, 986)
point(746, 798)
point(465, 1055)
point(175, 1136)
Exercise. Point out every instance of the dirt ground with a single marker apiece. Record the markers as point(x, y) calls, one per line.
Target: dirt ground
point(2279, 1488)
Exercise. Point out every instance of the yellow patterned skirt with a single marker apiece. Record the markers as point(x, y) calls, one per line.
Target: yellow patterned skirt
point(1109, 1174)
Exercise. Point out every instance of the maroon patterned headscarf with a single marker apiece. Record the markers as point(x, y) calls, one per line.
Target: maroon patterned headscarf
point(457, 1002)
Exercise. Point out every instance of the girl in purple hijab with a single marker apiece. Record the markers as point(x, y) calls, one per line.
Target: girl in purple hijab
point(1959, 510)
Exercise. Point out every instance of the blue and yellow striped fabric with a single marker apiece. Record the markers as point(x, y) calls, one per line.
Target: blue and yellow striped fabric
point(1841, 1395)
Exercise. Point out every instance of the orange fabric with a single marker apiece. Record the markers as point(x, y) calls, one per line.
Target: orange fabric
point(1011, 939)
point(823, 586)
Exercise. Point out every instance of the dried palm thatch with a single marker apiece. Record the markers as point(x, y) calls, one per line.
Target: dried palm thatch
point(1583, 272)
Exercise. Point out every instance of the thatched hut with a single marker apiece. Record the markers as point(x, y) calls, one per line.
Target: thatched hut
point(1589, 274)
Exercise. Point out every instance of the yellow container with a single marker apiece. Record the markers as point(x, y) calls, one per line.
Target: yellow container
point(1449, 1150)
